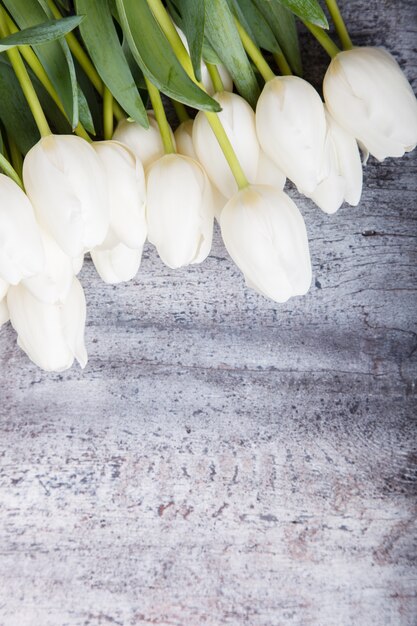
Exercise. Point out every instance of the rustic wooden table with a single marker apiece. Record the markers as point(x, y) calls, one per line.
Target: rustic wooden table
point(223, 459)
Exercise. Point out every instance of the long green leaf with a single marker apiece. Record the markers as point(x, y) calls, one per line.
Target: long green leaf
point(309, 10)
point(100, 37)
point(193, 16)
point(86, 118)
point(54, 56)
point(48, 31)
point(282, 23)
point(156, 58)
point(14, 111)
point(255, 24)
point(223, 36)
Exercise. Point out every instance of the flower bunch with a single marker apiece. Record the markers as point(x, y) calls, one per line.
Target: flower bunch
point(77, 193)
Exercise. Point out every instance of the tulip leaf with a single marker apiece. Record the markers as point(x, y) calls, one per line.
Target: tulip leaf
point(102, 42)
point(193, 15)
point(282, 24)
point(84, 112)
point(308, 10)
point(255, 24)
point(54, 55)
point(223, 36)
point(156, 58)
point(14, 111)
point(42, 33)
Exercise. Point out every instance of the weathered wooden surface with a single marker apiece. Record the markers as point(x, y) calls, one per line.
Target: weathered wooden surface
point(223, 459)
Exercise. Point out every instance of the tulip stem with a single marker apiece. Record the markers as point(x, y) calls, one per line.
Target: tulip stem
point(216, 79)
point(254, 53)
point(37, 68)
point(9, 170)
point(180, 111)
point(107, 113)
point(174, 39)
point(85, 62)
point(339, 23)
point(323, 38)
point(15, 155)
point(161, 117)
point(282, 63)
point(25, 82)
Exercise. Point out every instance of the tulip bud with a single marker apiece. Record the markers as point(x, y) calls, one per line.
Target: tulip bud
point(146, 143)
point(238, 121)
point(179, 210)
point(127, 194)
point(291, 128)
point(369, 96)
point(66, 183)
point(342, 170)
point(50, 334)
point(265, 235)
point(118, 264)
point(77, 263)
point(268, 173)
point(185, 146)
point(21, 251)
point(53, 284)
point(4, 311)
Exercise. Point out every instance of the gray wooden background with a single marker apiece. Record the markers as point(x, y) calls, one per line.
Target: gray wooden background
point(224, 459)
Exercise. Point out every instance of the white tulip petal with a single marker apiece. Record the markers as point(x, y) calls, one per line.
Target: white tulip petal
point(21, 251)
point(179, 210)
point(268, 172)
point(369, 96)
point(238, 120)
point(66, 183)
point(4, 285)
point(117, 265)
point(265, 235)
point(50, 334)
point(146, 143)
point(4, 312)
point(291, 129)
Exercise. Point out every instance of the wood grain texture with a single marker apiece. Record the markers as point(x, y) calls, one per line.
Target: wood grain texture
point(223, 459)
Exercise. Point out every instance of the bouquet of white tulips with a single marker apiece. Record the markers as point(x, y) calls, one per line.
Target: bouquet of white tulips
point(90, 164)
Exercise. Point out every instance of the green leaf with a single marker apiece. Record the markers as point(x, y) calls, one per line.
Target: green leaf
point(48, 31)
point(156, 58)
point(86, 118)
point(282, 23)
point(255, 24)
point(193, 15)
point(308, 10)
point(100, 37)
point(54, 56)
point(223, 36)
point(14, 111)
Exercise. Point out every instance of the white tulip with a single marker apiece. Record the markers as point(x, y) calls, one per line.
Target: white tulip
point(21, 251)
point(117, 265)
point(53, 284)
point(77, 263)
point(127, 194)
point(185, 146)
point(4, 285)
point(52, 335)
point(179, 210)
point(291, 128)
point(146, 143)
point(342, 170)
point(368, 94)
point(238, 120)
point(265, 235)
point(66, 183)
point(268, 173)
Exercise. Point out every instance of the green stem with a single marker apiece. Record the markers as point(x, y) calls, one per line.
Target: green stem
point(161, 118)
point(323, 38)
point(180, 111)
point(15, 155)
point(254, 53)
point(216, 79)
point(37, 68)
point(10, 171)
point(282, 63)
point(339, 23)
point(107, 114)
point(174, 39)
point(25, 82)
point(85, 62)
